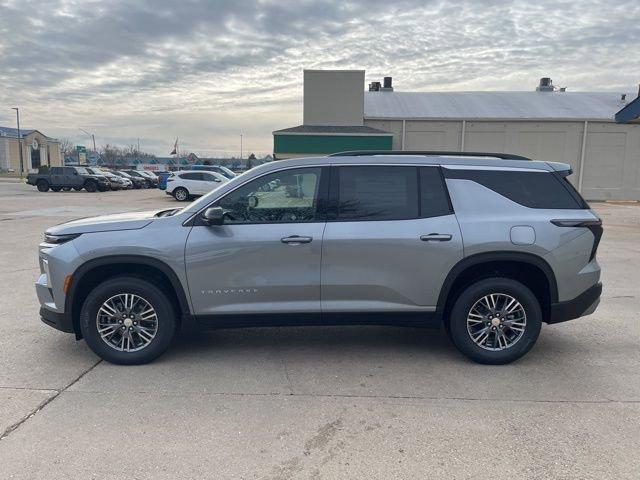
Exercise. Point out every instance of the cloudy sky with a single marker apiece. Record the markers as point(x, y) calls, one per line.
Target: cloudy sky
point(207, 70)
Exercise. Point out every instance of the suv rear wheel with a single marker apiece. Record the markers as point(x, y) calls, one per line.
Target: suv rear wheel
point(495, 321)
point(128, 321)
point(181, 194)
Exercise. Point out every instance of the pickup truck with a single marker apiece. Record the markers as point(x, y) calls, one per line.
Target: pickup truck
point(66, 178)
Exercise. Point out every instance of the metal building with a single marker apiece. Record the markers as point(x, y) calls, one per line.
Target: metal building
point(578, 128)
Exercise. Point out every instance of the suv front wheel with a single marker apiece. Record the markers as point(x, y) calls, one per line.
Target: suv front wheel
point(128, 321)
point(495, 321)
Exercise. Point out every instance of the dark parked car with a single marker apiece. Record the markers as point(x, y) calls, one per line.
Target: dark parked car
point(151, 181)
point(115, 182)
point(137, 181)
point(66, 178)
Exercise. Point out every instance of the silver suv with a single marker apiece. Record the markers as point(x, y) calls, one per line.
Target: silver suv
point(488, 245)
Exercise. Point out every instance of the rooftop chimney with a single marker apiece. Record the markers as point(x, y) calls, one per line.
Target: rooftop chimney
point(545, 85)
point(387, 85)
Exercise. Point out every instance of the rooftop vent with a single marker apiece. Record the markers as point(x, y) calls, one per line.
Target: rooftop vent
point(387, 84)
point(545, 85)
point(374, 86)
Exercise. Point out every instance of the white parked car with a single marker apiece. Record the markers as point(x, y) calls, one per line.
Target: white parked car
point(184, 185)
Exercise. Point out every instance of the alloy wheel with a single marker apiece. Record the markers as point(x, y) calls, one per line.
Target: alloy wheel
point(127, 322)
point(496, 321)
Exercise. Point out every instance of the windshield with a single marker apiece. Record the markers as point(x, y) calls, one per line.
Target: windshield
point(124, 174)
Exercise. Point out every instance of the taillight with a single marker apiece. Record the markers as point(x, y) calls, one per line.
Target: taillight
point(595, 225)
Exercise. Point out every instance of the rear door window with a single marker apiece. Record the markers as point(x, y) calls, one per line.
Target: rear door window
point(191, 176)
point(374, 193)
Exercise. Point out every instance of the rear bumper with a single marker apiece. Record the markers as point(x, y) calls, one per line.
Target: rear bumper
point(584, 304)
point(59, 321)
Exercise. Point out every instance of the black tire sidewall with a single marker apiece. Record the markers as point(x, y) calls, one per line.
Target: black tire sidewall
point(151, 293)
point(42, 185)
point(458, 320)
point(90, 186)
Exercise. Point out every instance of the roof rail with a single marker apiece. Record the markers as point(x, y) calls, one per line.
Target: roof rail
point(359, 153)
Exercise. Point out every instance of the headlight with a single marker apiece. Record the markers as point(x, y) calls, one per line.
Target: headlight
point(58, 239)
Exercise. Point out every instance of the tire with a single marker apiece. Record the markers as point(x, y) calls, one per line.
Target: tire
point(90, 186)
point(495, 349)
point(181, 194)
point(103, 188)
point(56, 189)
point(166, 323)
point(43, 185)
point(77, 189)
point(66, 189)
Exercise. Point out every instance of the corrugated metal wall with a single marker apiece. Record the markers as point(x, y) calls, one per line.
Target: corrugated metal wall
point(611, 164)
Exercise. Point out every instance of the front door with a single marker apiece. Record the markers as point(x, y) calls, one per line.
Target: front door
point(265, 258)
point(390, 240)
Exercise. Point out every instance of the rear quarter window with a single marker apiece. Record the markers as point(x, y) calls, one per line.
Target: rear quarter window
point(546, 190)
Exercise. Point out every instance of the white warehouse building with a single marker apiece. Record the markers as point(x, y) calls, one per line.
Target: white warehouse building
point(578, 128)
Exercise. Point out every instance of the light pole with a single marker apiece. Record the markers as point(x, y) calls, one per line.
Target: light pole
point(19, 139)
point(93, 137)
point(240, 146)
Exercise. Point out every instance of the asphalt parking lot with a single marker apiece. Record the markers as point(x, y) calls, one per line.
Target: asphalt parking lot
point(320, 402)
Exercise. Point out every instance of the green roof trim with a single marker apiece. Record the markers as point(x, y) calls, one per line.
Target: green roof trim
point(324, 144)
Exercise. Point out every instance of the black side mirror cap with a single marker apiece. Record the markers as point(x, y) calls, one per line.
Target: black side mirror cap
point(213, 216)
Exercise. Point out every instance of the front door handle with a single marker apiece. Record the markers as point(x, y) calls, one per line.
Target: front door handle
point(296, 240)
point(436, 237)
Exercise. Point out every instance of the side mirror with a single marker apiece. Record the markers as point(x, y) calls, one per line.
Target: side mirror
point(213, 216)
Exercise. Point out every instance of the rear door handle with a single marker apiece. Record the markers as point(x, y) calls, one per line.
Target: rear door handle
point(296, 240)
point(436, 237)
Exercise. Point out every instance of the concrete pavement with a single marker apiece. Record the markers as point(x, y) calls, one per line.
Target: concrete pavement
point(320, 402)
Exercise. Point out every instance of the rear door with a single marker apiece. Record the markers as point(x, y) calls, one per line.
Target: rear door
point(57, 176)
point(390, 240)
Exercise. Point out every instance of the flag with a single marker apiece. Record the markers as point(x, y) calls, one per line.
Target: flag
point(175, 148)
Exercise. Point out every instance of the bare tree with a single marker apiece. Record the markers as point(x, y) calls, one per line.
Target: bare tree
point(66, 146)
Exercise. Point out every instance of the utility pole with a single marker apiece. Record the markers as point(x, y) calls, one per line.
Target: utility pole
point(240, 146)
point(19, 139)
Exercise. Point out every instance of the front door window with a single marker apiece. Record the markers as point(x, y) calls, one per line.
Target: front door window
point(287, 196)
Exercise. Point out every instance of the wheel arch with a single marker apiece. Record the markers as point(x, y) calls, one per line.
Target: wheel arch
point(92, 272)
point(530, 269)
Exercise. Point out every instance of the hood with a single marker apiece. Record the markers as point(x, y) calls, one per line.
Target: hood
point(106, 223)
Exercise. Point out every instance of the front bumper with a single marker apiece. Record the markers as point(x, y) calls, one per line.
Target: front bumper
point(584, 304)
point(59, 321)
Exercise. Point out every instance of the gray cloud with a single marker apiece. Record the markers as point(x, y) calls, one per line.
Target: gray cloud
point(206, 70)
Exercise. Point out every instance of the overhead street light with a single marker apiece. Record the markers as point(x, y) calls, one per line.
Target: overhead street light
point(93, 137)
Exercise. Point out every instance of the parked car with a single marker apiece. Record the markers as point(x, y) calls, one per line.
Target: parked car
point(488, 245)
point(149, 182)
point(224, 171)
point(185, 185)
point(115, 182)
point(136, 182)
point(59, 178)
